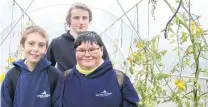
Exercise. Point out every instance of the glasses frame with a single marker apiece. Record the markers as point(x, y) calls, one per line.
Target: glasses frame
point(85, 51)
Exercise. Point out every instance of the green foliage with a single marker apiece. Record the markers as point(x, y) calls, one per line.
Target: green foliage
point(190, 46)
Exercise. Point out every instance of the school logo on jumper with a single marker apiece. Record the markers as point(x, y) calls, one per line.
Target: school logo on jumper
point(43, 95)
point(103, 94)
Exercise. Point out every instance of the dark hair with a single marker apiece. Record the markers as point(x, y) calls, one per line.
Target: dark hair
point(88, 36)
point(77, 6)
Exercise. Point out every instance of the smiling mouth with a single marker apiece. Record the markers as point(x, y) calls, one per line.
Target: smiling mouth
point(87, 59)
point(34, 55)
point(80, 27)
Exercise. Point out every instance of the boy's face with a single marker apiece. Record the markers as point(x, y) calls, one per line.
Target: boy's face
point(79, 20)
point(34, 47)
point(89, 55)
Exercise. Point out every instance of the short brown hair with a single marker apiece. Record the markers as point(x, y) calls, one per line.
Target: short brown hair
point(33, 29)
point(77, 6)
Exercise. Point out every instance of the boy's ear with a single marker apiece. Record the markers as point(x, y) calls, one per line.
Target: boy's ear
point(101, 48)
point(46, 50)
point(21, 47)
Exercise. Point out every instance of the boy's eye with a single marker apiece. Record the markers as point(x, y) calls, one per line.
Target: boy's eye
point(84, 18)
point(31, 43)
point(82, 50)
point(76, 17)
point(41, 45)
point(91, 49)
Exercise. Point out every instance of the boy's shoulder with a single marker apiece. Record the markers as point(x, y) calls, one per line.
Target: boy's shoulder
point(15, 71)
point(12, 72)
point(61, 37)
point(57, 39)
point(52, 69)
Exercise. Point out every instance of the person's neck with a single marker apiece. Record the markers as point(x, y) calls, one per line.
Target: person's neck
point(30, 66)
point(87, 71)
point(74, 34)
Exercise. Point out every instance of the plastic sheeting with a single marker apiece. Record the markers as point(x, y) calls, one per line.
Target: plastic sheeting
point(115, 30)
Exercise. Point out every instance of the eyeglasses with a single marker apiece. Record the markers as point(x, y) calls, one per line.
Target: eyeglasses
point(92, 51)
